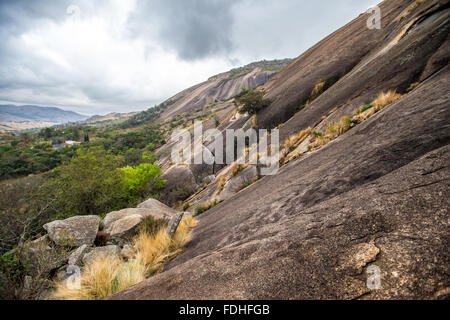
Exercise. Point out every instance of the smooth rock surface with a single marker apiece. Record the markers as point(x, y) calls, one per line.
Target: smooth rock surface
point(77, 230)
point(101, 253)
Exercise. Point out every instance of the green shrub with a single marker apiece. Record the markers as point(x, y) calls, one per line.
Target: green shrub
point(365, 108)
point(142, 181)
point(11, 267)
point(204, 207)
point(252, 101)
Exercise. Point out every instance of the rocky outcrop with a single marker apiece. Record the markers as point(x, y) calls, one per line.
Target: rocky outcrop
point(123, 225)
point(181, 183)
point(316, 229)
point(76, 256)
point(222, 87)
point(74, 231)
point(73, 243)
point(363, 217)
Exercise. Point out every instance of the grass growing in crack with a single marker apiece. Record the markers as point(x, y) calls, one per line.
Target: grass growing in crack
point(204, 207)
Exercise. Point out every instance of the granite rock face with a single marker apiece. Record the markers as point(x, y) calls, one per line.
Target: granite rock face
point(76, 230)
point(365, 216)
point(110, 251)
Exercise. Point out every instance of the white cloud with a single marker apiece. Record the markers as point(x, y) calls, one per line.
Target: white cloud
point(126, 55)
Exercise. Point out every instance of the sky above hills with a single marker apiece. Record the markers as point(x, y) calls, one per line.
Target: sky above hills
point(96, 57)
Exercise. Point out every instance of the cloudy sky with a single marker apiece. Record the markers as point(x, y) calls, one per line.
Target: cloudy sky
point(96, 57)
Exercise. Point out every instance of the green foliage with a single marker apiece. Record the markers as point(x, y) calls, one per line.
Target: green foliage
point(89, 184)
point(245, 185)
point(148, 137)
point(142, 181)
point(317, 133)
point(204, 207)
point(19, 159)
point(364, 108)
point(11, 267)
point(252, 101)
point(95, 182)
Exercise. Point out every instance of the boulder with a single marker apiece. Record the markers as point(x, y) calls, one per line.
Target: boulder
point(173, 225)
point(236, 183)
point(101, 253)
point(74, 231)
point(153, 204)
point(76, 256)
point(123, 225)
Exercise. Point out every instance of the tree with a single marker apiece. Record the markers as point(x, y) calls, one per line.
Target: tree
point(89, 184)
point(251, 101)
point(142, 181)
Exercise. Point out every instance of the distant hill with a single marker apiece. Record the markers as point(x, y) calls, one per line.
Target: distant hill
point(110, 117)
point(28, 117)
point(223, 86)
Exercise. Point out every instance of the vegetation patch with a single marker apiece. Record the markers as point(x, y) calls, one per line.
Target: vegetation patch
point(204, 207)
point(251, 101)
point(105, 277)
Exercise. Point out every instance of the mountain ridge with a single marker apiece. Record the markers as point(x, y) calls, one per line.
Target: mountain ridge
point(20, 117)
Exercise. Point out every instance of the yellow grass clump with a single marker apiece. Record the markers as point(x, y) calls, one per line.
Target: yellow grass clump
point(385, 98)
point(334, 130)
point(106, 276)
point(318, 89)
point(304, 133)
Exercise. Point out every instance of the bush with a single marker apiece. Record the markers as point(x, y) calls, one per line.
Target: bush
point(142, 181)
point(90, 184)
point(204, 207)
point(93, 183)
point(252, 101)
point(11, 267)
point(384, 99)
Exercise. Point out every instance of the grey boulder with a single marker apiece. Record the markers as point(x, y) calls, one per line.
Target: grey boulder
point(106, 252)
point(74, 231)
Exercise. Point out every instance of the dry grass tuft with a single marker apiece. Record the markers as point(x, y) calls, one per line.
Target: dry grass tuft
point(384, 99)
point(318, 89)
point(334, 130)
point(105, 277)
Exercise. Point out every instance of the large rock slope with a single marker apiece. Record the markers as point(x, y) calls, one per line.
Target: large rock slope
point(378, 195)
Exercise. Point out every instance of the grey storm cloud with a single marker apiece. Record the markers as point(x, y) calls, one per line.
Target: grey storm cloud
point(195, 29)
point(127, 55)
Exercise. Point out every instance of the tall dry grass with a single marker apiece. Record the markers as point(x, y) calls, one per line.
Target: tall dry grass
point(105, 277)
point(385, 98)
point(382, 100)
